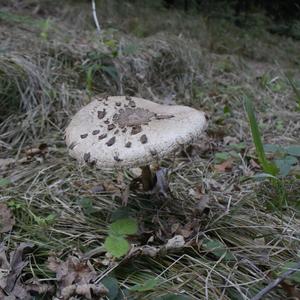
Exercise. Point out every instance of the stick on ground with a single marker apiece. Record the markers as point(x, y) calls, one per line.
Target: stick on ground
point(276, 282)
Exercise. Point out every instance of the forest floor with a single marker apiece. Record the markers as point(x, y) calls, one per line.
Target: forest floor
point(238, 229)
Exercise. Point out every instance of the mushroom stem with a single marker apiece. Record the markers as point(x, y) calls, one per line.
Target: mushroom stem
point(147, 178)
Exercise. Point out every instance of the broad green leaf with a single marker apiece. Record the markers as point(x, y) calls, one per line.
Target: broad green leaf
point(116, 245)
point(234, 154)
point(291, 265)
point(148, 285)
point(222, 156)
point(293, 150)
point(174, 297)
point(113, 287)
point(285, 164)
point(4, 182)
point(238, 147)
point(124, 227)
point(218, 249)
point(273, 148)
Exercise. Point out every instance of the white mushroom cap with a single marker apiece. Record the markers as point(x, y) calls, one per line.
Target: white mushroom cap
point(129, 131)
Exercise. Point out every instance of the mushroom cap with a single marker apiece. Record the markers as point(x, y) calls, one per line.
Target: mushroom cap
point(129, 132)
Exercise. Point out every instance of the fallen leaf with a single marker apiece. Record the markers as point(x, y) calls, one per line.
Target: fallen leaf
point(86, 290)
point(75, 276)
point(38, 287)
point(254, 164)
point(10, 282)
point(224, 166)
point(7, 220)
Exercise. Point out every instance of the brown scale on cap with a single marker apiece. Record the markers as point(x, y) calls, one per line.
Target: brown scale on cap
point(87, 156)
point(136, 129)
point(101, 113)
point(128, 145)
point(106, 121)
point(124, 129)
point(102, 136)
point(115, 117)
point(153, 152)
point(117, 131)
point(83, 136)
point(133, 116)
point(111, 126)
point(111, 141)
point(116, 158)
point(72, 145)
point(144, 139)
point(128, 98)
point(132, 103)
point(95, 132)
point(118, 103)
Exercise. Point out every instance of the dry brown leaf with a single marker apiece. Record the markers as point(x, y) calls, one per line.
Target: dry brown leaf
point(75, 277)
point(224, 166)
point(254, 165)
point(7, 220)
point(110, 187)
point(10, 282)
point(39, 287)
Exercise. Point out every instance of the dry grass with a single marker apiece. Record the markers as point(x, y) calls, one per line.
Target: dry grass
point(164, 61)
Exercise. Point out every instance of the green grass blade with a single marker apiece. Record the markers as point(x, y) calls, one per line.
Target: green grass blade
point(267, 166)
point(295, 89)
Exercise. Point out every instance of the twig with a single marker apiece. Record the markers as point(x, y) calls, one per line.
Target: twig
point(95, 16)
point(276, 282)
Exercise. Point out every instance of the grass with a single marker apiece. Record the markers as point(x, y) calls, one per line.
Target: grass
point(239, 244)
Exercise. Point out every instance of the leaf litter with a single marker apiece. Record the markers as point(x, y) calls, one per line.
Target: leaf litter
point(76, 277)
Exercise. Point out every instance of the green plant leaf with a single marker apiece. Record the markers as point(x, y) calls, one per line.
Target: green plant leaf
point(238, 147)
point(293, 150)
point(148, 285)
point(112, 72)
point(116, 245)
point(285, 164)
point(267, 166)
point(222, 156)
point(296, 90)
point(273, 148)
point(218, 249)
point(112, 285)
point(125, 226)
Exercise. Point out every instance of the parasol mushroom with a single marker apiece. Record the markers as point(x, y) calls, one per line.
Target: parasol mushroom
point(126, 131)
